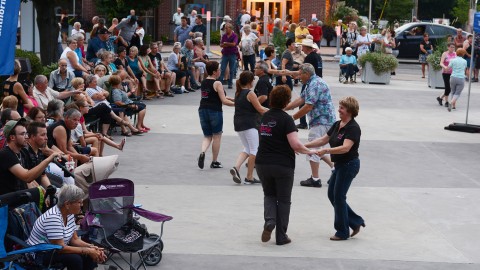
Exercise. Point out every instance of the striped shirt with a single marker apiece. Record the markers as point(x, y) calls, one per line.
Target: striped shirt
point(50, 226)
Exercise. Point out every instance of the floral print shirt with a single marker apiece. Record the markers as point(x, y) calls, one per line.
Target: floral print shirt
point(317, 93)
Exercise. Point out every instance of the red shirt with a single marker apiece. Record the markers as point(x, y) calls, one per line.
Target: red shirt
point(316, 32)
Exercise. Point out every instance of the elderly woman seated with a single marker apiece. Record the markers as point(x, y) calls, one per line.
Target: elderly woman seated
point(348, 65)
point(57, 226)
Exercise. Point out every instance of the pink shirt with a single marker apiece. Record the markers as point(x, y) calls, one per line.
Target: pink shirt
point(447, 59)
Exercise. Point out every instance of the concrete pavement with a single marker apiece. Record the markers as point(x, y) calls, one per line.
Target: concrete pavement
point(417, 189)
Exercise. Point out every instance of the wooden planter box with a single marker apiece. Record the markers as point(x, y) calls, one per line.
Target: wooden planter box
point(435, 79)
point(369, 76)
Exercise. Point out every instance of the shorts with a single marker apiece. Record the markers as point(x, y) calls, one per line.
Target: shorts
point(180, 74)
point(315, 133)
point(83, 150)
point(249, 140)
point(211, 122)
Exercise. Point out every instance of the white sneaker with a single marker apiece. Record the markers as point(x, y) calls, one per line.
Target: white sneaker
point(183, 89)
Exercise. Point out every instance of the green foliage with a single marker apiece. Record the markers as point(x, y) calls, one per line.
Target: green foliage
point(215, 37)
point(121, 8)
point(398, 10)
point(279, 43)
point(37, 67)
point(147, 39)
point(345, 13)
point(381, 62)
point(49, 68)
point(460, 10)
point(434, 59)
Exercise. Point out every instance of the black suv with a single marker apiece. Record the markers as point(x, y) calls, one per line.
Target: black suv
point(410, 35)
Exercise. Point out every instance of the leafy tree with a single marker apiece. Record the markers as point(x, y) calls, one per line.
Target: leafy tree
point(121, 8)
point(398, 10)
point(460, 11)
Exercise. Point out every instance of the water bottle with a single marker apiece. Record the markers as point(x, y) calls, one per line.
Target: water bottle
point(96, 220)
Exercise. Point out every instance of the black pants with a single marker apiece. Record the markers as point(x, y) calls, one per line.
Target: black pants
point(71, 261)
point(303, 119)
point(349, 70)
point(277, 183)
point(446, 81)
point(249, 62)
point(101, 111)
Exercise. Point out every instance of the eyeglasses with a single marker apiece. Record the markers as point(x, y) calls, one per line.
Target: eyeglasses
point(24, 134)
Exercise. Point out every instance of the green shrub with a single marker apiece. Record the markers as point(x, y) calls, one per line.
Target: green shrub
point(147, 39)
point(37, 67)
point(49, 68)
point(215, 37)
point(434, 59)
point(381, 62)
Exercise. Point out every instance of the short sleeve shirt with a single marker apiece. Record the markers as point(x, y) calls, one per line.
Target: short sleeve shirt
point(350, 131)
point(263, 88)
point(317, 93)
point(156, 60)
point(287, 55)
point(172, 62)
point(316, 61)
point(300, 31)
point(119, 95)
point(182, 33)
point(50, 226)
point(8, 181)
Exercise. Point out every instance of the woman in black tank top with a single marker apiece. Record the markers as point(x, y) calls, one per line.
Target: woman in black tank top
point(11, 87)
point(213, 96)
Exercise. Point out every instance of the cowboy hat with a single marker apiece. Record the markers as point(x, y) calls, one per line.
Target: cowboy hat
point(309, 43)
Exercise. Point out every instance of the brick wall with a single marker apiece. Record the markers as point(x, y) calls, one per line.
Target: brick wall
point(163, 15)
point(88, 10)
point(308, 7)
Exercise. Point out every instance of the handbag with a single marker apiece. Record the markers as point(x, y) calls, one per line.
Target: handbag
point(129, 237)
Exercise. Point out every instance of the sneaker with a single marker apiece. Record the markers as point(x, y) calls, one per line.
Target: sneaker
point(253, 181)
point(449, 107)
point(201, 160)
point(346, 82)
point(216, 165)
point(446, 104)
point(439, 101)
point(230, 87)
point(352, 81)
point(311, 183)
point(183, 89)
point(236, 175)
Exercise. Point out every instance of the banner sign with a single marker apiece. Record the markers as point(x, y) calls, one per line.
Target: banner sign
point(8, 34)
point(476, 22)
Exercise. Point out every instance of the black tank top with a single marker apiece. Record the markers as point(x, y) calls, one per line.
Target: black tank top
point(51, 140)
point(7, 90)
point(209, 97)
point(245, 114)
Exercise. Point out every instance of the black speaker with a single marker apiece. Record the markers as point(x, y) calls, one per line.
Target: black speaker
point(26, 68)
point(463, 128)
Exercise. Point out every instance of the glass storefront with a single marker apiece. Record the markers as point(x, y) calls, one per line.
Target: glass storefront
point(216, 7)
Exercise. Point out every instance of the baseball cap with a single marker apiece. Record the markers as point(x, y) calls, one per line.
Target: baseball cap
point(102, 31)
point(314, 20)
point(10, 125)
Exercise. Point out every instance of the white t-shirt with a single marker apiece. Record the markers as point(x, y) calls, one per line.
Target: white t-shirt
point(362, 49)
point(64, 56)
point(141, 33)
point(76, 133)
point(248, 44)
point(49, 226)
point(75, 31)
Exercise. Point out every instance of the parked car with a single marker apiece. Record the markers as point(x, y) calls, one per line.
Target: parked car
point(410, 35)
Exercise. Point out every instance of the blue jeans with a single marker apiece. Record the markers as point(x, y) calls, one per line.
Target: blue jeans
point(340, 181)
point(231, 60)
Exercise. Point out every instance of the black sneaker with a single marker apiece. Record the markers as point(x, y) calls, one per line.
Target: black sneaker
point(439, 101)
point(201, 160)
point(311, 183)
point(300, 126)
point(253, 181)
point(236, 175)
point(317, 183)
point(216, 165)
point(446, 104)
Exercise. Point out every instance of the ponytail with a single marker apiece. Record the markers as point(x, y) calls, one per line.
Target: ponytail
point(245, 78)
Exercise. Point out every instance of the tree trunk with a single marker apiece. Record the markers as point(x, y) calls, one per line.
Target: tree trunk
point(48, 30)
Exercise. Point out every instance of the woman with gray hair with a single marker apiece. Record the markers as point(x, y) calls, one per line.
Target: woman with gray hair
point(200, 58)
point(175, 63)
point(247, 45)
point(57, 226)
point(73, 62)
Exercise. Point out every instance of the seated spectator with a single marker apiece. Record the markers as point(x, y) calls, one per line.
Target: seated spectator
point(9, 102)
point(348, 64)
point(102, 108)
point(121, 63)
point(7, 115)
point(14, 170)
point(80, 51)
point(167, 77)
point(152, 74)
point(73, 61)
point(97, 43)
point(85, 137)
point(61, 78)
point(11, 87)
point(106, 60)
point(200, 59)
point(36, 114)
point(28, 88)
point(187, 52)
point(44, 94)
point(175, 64)
point(121, 99)
point(77, 29)
point(139, 71)
point(78, 139)
point(57, 226)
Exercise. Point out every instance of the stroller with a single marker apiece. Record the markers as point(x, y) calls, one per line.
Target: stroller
point(112, 223)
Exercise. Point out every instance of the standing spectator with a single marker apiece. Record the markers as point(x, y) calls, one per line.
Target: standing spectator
point(426, 48)
point(226, 19)
point(264, 84)
point(447, 56)
point(457, 83)
point(11, 87)
point(140, 32)
point(275, 164)
point(349, 38)
point(247, 46)
point(364, 41)
point(467, 46)
point(277, 29)
point(192, 18)
point(177, 17)
point(77, 29)
point(100, 24)
point(290, 34)
point(198, 27)
point(321, 114)
point(302, 31)
point(238, 21)
point(229, 43)
point(210, 112)
point(64, 25)
point(61, 79)
point(270, 26)
point(97, 43)
point(182, 32)
point(245, 18)
point(244, 120)
point(286, 25)
point(344, 140)
point(316, 31)
point(459, 39)
point(113, 28)
point(127, 28)
point(187, 52)
point(287, 64)
point(312, 57)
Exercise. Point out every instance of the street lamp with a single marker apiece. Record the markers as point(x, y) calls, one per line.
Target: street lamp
point(209, 18)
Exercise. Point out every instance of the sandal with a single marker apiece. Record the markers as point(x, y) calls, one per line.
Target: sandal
point(126, 134)
point(122, 144)
point(169, 94)
point(146, 128)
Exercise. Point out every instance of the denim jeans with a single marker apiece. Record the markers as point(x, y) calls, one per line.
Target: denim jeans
point(231, 60)
point(340, 181)
point(277, 183)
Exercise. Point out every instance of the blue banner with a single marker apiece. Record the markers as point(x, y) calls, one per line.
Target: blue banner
point(8, 34)
point(476, 22)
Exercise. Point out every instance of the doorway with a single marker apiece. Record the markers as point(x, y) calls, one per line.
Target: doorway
point(266, 10)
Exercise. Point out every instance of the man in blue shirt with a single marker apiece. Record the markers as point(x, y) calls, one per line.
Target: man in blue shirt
point(97, 43)
point(348, 65)
point(182, 32)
